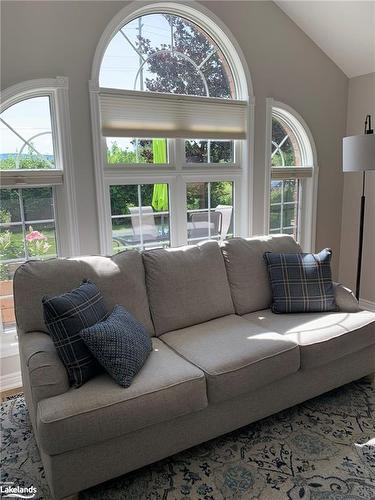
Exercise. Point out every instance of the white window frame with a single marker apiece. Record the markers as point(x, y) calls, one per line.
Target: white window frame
point(61, 178)
point(65, 199)
point(177, 173)
point(307, 204)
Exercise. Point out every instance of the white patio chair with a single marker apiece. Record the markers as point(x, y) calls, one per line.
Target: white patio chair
point(226, 218)
point(199, 226)
point(144, 224)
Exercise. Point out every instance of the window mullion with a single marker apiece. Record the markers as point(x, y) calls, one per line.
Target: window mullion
point(22, 215)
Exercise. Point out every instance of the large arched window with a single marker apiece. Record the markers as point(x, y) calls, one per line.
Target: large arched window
point(291, 175)
point(166, 53)
point(170, 122)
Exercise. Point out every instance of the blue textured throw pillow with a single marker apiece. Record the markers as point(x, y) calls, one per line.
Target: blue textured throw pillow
point(65, 316)
point(301, 282)
point(120, 344)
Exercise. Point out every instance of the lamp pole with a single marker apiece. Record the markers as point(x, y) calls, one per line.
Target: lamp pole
point(368, 130)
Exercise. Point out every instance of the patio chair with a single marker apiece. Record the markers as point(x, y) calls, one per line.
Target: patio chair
point(200, 224)
point(144, 223)
point(226, 219)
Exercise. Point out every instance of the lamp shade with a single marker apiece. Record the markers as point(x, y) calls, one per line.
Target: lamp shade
point(359, 153)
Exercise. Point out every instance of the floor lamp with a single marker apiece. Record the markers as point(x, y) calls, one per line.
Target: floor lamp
point(359, 156)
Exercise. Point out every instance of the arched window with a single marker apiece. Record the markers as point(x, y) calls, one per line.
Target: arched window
point(292, 173)
point(34, 155)
point(170, 118)
point(163, 52)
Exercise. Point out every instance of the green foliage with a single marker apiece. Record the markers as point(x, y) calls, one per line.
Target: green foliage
point(117, 155)
point(175, 74)
point(142, 154)
point(5, 216)
point(11, 246)
point(26, 163)
point(197, 195)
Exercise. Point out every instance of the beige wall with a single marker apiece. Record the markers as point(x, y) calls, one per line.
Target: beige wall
point(46, 39)
point(361, 101)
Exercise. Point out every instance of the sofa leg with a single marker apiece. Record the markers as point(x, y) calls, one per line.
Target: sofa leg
point(371, 379)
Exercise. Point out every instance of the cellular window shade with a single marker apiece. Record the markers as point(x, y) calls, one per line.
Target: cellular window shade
point(147, 114)
point(281, 173)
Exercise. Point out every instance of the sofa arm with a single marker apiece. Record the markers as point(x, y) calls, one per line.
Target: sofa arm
point(345, 299)
point(47, 374)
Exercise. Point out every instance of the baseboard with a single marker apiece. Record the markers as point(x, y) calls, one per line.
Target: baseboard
point(367, 304)
point(10, 381)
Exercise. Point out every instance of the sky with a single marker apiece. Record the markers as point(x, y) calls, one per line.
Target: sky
point(28, 118)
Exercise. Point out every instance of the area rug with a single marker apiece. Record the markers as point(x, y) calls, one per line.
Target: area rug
point(321, 449)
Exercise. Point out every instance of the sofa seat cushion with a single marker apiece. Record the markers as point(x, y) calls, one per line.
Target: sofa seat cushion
point(322, 337)
point(166, 387)
point(236, 357)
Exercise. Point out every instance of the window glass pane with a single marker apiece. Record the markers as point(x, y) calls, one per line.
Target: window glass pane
point(12, 243)
point(26, 135)
point(209, 210)
point(124, 150)
point(203, 151)
point(284, 206)
point(285, 153)
point(166, 53)
point(196, 151)
point(275, 218)
point(291, 190)
point(10, 206)
point(27, 231)
point(276, 188)
point(140, 216)
point(41, 240)
point(38, 204)
point(289, 215)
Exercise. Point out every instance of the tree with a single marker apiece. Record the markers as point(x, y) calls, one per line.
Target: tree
point(173, 72)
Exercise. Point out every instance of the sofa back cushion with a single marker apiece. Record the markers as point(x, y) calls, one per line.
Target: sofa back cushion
point(121, 279)
point(247, 270)
point(186, 286)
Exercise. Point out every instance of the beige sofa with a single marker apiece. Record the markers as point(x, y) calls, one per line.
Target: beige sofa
point(221, 359)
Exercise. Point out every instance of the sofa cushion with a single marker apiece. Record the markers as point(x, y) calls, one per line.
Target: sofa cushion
point(166, 387)
point(186, 286)
point(322, 337)
point(236, 357)
point(120, 344)
point(247, 271)
point(301, 282)
point(65, 316)
point(121, 280)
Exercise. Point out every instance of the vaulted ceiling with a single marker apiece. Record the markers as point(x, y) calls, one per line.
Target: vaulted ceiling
point(344, 30)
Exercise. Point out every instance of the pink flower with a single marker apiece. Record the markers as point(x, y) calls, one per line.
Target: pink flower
point(35, 235)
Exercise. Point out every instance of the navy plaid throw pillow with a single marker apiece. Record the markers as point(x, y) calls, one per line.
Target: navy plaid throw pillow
point(121, 345)
point(65, 316)
point(301, 282)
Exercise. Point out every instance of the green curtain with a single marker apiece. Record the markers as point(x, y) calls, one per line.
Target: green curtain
point(160, 192)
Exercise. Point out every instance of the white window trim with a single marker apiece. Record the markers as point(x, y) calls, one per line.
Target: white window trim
point(177, 171)
point(64, 193)
point(309, 186)
point(65, 207)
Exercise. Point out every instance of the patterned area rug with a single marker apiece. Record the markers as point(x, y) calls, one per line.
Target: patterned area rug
point(322, 449)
